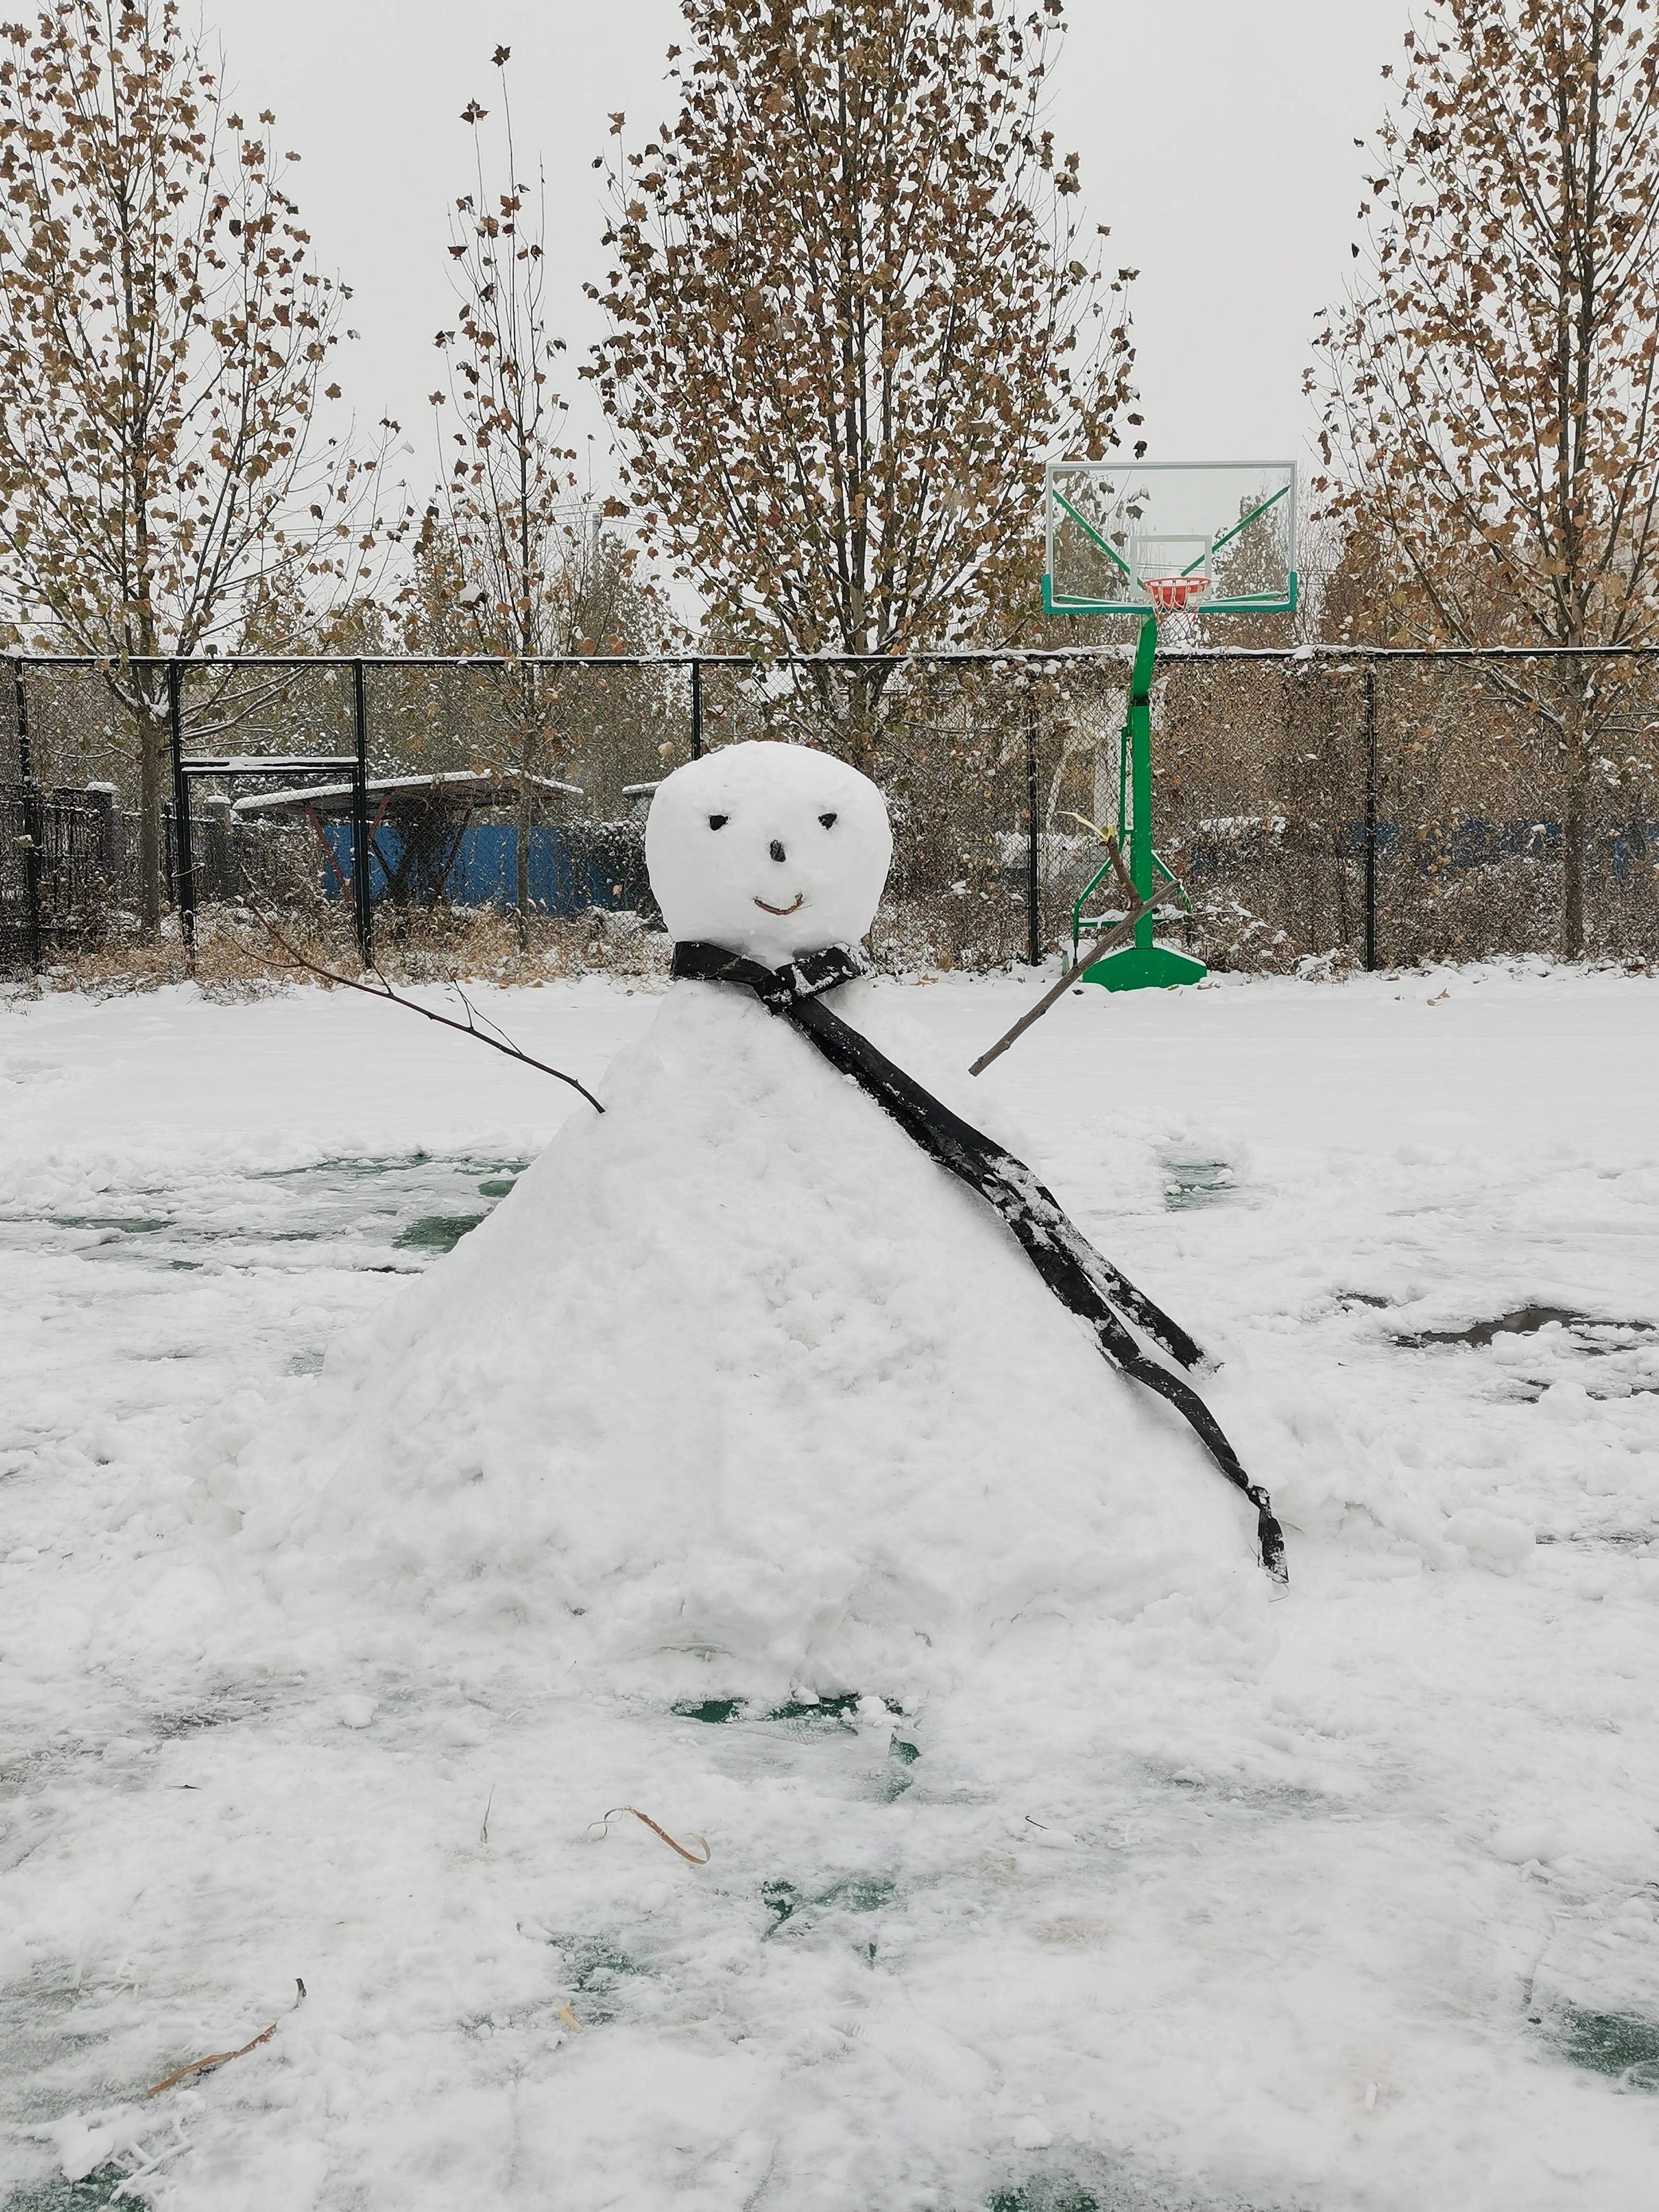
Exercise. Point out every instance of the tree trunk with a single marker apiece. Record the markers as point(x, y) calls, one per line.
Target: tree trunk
point(1575, 826)
point(152, 785)
point(525, 815)
point(858, 724)
point(866, 691)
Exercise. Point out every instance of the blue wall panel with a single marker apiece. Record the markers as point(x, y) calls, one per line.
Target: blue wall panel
point(573, 866)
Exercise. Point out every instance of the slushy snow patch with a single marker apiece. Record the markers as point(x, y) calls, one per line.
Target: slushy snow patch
point(1492, 1540)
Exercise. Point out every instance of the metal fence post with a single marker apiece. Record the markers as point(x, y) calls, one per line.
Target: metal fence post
point(20, 699)
point(362, 891)
point(1370, 817)
point(34, 824)
point(1033, 876)
point(184, 871)
point(697, 708)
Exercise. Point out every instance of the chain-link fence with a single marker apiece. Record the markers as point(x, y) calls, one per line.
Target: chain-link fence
point(1350, 807)
point(58, 859)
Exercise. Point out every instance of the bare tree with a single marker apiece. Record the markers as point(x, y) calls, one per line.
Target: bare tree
point(1489, 427)
point(164, 349)
point(512, 560)
point(850, 311)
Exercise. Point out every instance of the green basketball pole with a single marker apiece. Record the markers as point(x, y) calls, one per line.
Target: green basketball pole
point(1142, 966)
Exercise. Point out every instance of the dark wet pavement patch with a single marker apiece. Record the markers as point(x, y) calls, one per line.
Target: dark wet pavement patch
point(108, 2186)
point(807, 1909)
point(1593, 1333)
point(1621, 2045)
point(1190, 1184)
point(1108, 2186)
point(436, 1232)
point(400, 1212)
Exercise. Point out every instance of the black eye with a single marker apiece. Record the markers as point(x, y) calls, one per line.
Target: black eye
point(719, 820)
point(827, 820)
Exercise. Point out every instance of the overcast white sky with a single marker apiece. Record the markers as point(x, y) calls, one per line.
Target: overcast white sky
point(1216, 136)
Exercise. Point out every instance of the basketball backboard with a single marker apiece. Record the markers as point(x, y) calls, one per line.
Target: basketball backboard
point(1153, 538)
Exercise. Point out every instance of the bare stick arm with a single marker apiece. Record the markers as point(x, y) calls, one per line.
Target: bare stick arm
point(380, 989)
point(1097, 951)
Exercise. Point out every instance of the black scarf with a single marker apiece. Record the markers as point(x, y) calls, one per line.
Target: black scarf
point(1077, 1275)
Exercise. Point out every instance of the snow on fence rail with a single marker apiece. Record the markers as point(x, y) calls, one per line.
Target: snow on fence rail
point(1369, 806)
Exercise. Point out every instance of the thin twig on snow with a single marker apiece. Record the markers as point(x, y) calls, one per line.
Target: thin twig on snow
point(689, 1856)
point(223, 2057)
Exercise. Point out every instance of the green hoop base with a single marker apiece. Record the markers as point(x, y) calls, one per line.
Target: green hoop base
point(1144, 968)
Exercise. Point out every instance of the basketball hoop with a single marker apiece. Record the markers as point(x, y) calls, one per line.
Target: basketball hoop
point(1137, 539)
point(1169, 594)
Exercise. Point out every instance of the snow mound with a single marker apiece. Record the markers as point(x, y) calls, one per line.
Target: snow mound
point(737, 1393)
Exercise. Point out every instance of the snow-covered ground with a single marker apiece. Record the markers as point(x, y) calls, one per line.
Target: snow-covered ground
point(1376, 1927)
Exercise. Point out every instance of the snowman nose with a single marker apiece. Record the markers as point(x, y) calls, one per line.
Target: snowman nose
point(778, 852)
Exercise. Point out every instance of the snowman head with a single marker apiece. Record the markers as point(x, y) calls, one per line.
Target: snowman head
point(770, 850)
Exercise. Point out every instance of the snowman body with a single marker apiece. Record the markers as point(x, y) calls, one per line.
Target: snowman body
point(738, 1392)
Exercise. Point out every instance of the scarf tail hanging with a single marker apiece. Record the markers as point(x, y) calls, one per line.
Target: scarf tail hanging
point(1086, 1283)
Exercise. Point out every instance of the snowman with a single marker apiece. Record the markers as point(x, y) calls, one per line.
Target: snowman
point(781, 1374)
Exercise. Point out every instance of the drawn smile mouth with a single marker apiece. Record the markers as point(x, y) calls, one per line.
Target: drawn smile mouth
point(800, 901)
